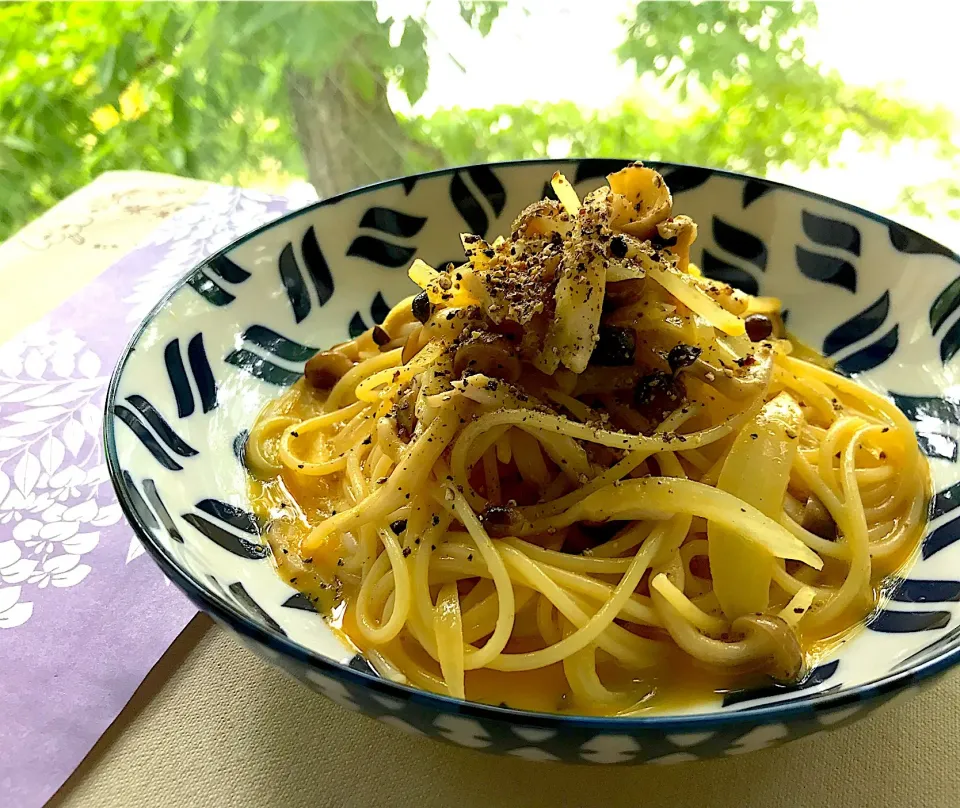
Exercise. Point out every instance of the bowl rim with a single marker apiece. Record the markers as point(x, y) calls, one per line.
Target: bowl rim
point(799, 705)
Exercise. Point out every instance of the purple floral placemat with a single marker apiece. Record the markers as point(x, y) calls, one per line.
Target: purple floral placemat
point(84, 614)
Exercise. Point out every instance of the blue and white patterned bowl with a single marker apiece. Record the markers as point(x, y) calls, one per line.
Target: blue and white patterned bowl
point(882, 300)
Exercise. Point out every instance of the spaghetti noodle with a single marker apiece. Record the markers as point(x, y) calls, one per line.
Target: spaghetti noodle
point(574, 474)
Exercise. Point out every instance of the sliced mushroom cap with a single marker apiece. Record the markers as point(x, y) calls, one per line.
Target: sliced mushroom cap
point(325, 369)
point(490, 355)
point(817, 519)
point(406, 413)
point(786, 663)
point(500, 520)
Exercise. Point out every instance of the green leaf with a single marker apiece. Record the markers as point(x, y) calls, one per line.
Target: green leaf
point(169, 36)
point(480, 15)
point(487, 18)
point(180, 114)
point(177, 157)
point(18, 144)
point(413, 63)
point(126, 61)
point(106, 67)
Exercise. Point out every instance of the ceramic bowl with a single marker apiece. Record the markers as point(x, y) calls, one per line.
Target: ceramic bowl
point(880, 299)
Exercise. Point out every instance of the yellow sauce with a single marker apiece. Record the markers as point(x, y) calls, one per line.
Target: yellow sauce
point(289, 506)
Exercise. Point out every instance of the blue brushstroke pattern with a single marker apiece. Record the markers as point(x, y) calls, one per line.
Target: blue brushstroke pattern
point(224, 268)
point(858, 327)
point(292, 280)
point(202, 373)
point(887, 621)
point(827, 269)
point(720, 270)
point(911, 590)
point(906, 241)
point(831, 232)
point(818, 676)
point(392, 222)
point(177, 374)
point(740, 243)
point(261, 369)
point(872, 355)
point(945, 305)
point(238, 545)
point(277, 344)
point(149, 442)
point(317, 267)
point(230, 514)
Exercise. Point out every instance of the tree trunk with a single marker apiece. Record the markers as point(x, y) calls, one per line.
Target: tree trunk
point(347, 140)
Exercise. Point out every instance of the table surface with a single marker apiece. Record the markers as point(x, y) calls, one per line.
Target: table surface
point(215, 725)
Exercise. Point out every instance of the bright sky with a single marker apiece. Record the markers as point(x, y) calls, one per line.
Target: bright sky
point(911, 47)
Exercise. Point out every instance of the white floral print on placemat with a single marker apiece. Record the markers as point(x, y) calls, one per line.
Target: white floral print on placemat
point(55, 496)
point(52, 468)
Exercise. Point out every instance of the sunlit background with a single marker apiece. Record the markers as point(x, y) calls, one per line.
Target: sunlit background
point(855, 100)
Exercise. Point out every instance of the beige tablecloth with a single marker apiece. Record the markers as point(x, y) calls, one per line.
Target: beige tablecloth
point(215, 726)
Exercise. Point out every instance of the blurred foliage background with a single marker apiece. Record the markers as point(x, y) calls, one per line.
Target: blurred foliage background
point(261, 93)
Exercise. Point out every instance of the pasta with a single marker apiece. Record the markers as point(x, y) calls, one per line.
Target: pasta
point(573, 474)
